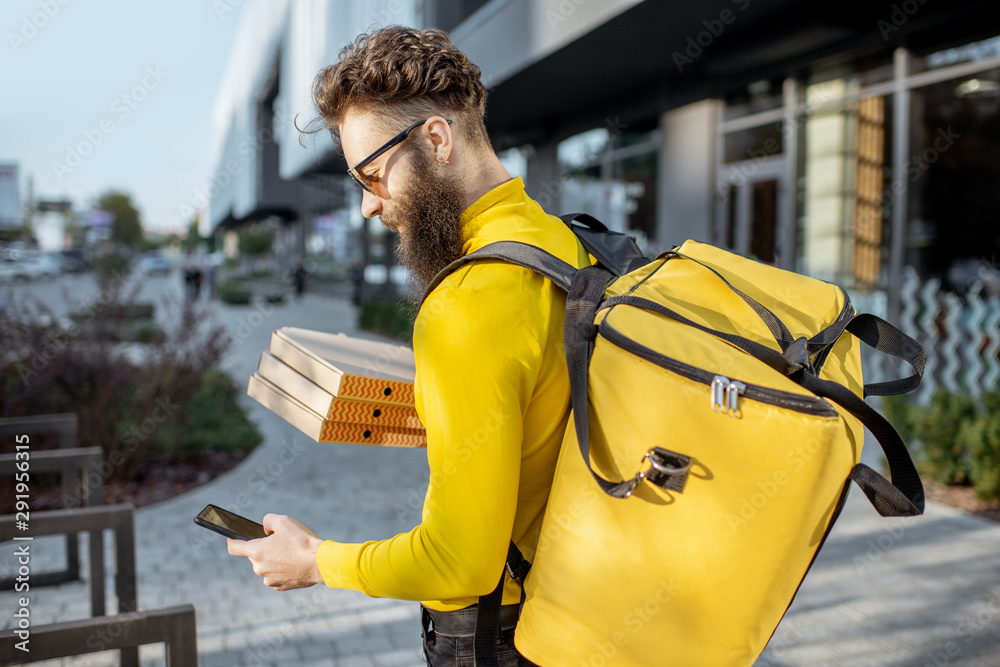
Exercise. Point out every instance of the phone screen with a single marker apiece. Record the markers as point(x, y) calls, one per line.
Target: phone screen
point(229, 524)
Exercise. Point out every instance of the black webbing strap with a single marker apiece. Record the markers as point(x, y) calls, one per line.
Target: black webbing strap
point(513, 252)
point(904, 494)
point(884, 337)
point(772, 358)
point(488, 611)
point(579, 332)
point(488, 626)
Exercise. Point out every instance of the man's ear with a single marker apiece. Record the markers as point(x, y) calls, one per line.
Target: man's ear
point(441, 137)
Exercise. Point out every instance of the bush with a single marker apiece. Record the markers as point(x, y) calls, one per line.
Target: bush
point(111, 267)
point(980, 437)
point(233, 293)
point(959, 438)
point(392, 318)
point(943, 458)
point(164, 399)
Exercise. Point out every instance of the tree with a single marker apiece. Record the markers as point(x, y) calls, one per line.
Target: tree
point(193, 238)
point(256, 240)
point(126, 227)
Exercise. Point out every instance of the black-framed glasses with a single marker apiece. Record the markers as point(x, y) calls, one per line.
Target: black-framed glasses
point(355, 171)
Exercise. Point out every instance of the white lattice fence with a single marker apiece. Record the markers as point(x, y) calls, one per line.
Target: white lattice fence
point(962, 340)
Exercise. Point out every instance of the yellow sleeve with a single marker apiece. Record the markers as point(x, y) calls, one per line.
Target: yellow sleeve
point(478, 358)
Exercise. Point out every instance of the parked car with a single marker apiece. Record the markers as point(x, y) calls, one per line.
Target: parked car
point(73, 261)
point(151, 265)
point(28, 268)
point(42, 266)
point(10, 271)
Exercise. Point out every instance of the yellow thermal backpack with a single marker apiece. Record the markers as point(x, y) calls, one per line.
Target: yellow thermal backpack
point(718, 419)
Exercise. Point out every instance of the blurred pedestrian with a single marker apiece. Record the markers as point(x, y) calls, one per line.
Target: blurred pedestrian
point(298, 275)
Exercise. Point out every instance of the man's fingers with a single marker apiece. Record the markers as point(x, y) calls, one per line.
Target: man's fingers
point(236, 547)
point(246, 548)
point(270, 522)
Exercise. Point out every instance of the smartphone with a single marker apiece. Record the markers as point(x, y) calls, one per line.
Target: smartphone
point(231, 525)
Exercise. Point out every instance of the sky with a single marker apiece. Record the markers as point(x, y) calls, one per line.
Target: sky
point(113, 94)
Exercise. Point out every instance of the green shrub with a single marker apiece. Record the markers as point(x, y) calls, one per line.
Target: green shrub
point(942, 456)
point(958, 438)
point(980, 437)
point(234, 293)
point(392, 318)
point(897, 410)
point(111, 267)
point(212, 420)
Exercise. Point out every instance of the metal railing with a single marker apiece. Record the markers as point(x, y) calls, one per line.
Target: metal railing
point(94, 520)
point(174, 626)
point(75, 465)
point(75, 490)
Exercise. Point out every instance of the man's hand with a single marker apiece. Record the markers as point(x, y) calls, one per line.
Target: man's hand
point(286, 558)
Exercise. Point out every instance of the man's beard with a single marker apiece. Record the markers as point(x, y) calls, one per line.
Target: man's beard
point(431, 209)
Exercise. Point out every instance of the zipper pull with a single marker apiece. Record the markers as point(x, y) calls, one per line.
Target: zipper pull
point(733, 392)
point(719, 385)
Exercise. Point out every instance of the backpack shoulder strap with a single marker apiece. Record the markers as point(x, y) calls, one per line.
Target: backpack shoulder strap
point(514, 252)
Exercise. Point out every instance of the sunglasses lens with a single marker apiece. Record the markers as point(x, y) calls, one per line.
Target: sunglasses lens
point(364, 186)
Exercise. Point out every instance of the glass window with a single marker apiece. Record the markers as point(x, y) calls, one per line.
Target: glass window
point(603, 176)
point(953, 178)
point(582, 149)
point(763, 95)
point(974, 52)
point(754, 143)
point(514, 162)
point(635, 180)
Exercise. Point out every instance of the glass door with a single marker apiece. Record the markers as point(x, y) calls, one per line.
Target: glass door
point(749, 213)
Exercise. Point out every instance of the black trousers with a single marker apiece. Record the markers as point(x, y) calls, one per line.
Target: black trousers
point(449, 637)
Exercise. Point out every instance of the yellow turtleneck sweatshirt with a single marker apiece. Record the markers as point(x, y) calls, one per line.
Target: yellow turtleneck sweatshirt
point(493, 393)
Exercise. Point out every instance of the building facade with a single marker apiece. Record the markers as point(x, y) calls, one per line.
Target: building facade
point(842, 144)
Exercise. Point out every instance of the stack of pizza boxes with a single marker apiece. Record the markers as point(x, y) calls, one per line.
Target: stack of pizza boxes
point(335, 388)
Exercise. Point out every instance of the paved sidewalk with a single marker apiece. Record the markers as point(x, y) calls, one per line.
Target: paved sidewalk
point(895, 592)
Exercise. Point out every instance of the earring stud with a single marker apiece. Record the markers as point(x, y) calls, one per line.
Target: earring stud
point(440, 163)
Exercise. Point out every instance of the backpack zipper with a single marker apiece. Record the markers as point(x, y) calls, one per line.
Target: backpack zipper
point(724, 393)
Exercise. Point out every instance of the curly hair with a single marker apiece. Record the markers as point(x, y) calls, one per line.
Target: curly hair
point(405, 74)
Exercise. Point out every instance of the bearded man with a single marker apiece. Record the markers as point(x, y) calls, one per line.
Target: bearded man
point(491, 384)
